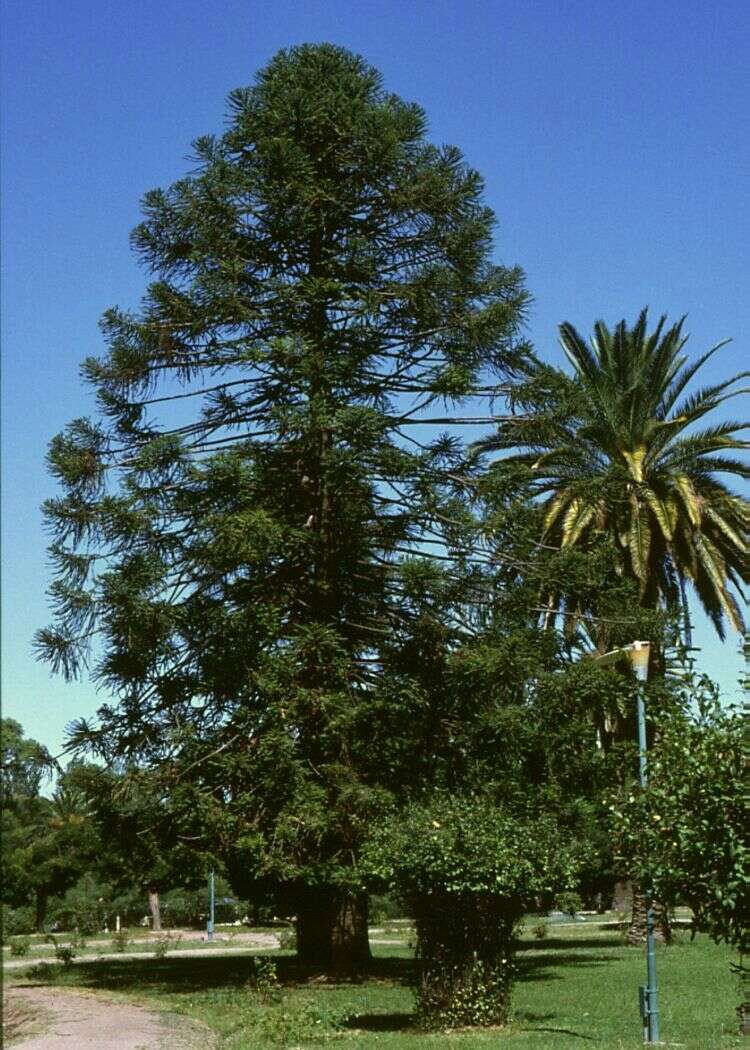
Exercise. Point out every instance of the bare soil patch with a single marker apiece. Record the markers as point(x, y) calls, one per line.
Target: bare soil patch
point(90, 1021)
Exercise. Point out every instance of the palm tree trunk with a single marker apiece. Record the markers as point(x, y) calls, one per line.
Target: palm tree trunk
point(637, 929)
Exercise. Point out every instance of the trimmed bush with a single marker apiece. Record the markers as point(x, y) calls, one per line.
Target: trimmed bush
point(466, 869)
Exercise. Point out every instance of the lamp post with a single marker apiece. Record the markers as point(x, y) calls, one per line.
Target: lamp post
point(211, 900)
point(638, 653)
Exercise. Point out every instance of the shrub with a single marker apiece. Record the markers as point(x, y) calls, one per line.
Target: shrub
point(20, 946)
point(540, 930)
point(570, 903)
point(265, 979)
point(120, 940)
point(466, 869)
point(65, 953)
point(18, 921)
point(164, 942)
point(288, 939)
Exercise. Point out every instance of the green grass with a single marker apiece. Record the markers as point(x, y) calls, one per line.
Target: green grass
point(576, 989)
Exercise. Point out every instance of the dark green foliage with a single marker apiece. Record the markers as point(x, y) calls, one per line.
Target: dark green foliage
point(17, 921)
point(249, 524)
point(25, 765)
point(47, 842)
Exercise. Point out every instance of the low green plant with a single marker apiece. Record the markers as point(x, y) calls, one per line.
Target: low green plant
point(65, 953)
point(20, 946)
point(288, 939)
point(47, 973)
point(164, 943)
point(540, 930)
point(295, 1024)
point(265, 980)
point(120, 940)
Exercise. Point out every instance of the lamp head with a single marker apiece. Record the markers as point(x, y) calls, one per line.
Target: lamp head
point(639, 653)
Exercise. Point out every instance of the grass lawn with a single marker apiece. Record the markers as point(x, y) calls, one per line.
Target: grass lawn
point(577, 988)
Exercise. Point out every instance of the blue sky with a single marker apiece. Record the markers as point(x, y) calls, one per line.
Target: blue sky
point(612, 138)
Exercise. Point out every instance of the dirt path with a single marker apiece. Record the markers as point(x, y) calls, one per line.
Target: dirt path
point(251, 942)
point(73, 1020)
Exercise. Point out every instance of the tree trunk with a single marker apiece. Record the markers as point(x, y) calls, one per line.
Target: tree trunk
point(41, 910)
point(637, 930)
point(332, 932)
point(154, 906)
point(314, 928)
point(350, 943)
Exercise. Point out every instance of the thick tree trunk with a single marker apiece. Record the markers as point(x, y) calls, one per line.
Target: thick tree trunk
point(332, 932)
point(314, 928)
point(637, 930)
point(41, 910)
point(154, 907)
point(350, 944)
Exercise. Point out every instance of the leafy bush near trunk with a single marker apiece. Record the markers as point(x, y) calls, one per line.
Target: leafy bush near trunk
point(466, 869)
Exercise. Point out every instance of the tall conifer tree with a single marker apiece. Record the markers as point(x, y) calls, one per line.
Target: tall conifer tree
point(246, 522)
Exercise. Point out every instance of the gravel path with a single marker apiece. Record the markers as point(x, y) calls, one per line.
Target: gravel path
point(82, 1021)
point(260, 941)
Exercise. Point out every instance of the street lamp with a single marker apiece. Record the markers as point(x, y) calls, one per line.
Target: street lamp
point(211, 904)
point(638, 654)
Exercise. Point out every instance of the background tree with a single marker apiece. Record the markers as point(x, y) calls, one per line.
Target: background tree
point(244, 525)
point(686, 835)
point(146, 839)
point(48, 842)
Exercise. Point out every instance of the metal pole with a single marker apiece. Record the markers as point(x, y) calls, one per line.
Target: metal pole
point(652, 1002)
point(211, 906)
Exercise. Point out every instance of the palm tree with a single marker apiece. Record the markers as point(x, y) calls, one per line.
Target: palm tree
point(613, 450)
point(613, 453)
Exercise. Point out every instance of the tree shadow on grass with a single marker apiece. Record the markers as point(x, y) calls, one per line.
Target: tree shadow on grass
point(379, 1022)
point(537, 968)
point(198, 974)
point(568, 943)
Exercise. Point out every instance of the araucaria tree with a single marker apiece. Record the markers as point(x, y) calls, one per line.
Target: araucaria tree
point(243, 525)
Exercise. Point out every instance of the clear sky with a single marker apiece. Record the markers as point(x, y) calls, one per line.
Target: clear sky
point(613, 138)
